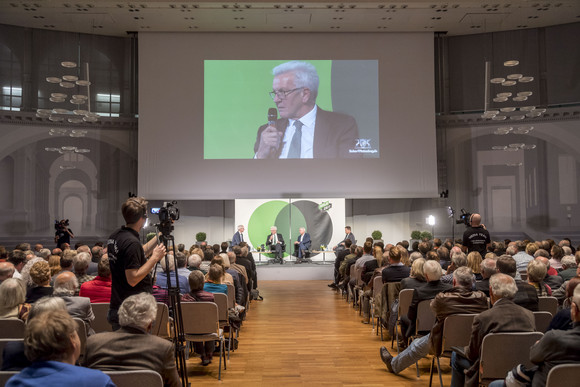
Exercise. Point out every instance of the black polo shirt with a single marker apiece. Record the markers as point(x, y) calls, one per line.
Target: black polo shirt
point(126, 252)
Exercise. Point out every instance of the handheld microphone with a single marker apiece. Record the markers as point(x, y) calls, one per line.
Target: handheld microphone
point(272, 116)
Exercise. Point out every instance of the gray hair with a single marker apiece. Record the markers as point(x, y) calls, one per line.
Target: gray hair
point(459, 260)
point(569, 261)
point(463, 277)
point(65, 287)
point(274, 228)
point(511, 250)
point(536, 271)
point(194, 260)
point(138, 310)
point(44, 304)
point(305, 75)
point(167, 264)
point(415, 255)
point(567, 250)
point(488, 267)
point(240, 226)
point(503, 286)
point(43, 253)
point(432, 270)
point(81, 262)
point(12, 294)
point(541, 253)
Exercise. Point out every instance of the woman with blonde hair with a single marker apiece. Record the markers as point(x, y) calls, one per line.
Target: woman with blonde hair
point(12, 299)
point(40, 276)
point(417, 278)
point(54, 263)
point(474, 263)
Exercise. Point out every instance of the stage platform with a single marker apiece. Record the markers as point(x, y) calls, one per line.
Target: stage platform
point(290, 271)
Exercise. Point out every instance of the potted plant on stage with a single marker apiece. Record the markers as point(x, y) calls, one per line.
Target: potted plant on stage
point(377, 236)
point(200, 237)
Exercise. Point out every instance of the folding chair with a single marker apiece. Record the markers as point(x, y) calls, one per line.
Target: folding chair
point(543, 320)
point(548, 304)
point(100, 323)
point(162, 321)
point(201, 324)
point(377, 288)
point(425, 321)
point(231, 296)
point(221, 301)
point(456, 332)
point(3, 343)
point(563, 375)
point(405, 299)
point(82, 332)
point(147, 378)
point(11, 328)
point(500, 352)
point(5, 375)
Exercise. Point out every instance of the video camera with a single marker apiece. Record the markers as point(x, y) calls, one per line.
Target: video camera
point(167, 215)
point(464, 218)
point(61, 224)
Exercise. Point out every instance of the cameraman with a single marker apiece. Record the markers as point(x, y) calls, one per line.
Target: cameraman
point(63, 233)
point(130, 270)
point(476, 237)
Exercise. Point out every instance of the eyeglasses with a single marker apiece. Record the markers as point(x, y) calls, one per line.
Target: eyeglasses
point(282, 94)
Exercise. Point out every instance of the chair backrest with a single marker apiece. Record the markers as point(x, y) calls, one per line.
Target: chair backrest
point(11, 328)
point(82, 332)
point(221, 301)
point(548, 304)
point(563, 375)
point(405, 299)
point(3, 343)
point(543, 320)
point(5, 375)
point(231, 296)
point(200, 317)
point(500, 352)
point(147, 378)
point(100, 323)
point(457, 331)
point(351, 272)
point(377, 285)
point(425, 316)
point(161, 326)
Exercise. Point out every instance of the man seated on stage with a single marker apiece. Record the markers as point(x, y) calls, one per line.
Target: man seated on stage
point(349, 235)
point(302, 243)
point(276, 242)
point(132, 347)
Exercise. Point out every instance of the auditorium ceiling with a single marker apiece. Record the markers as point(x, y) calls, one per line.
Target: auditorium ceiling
point(117, 18)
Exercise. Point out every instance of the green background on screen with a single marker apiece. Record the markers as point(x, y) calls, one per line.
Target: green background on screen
point(236, 103)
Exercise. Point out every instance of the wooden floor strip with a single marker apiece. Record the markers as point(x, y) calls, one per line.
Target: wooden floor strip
point(303, 333)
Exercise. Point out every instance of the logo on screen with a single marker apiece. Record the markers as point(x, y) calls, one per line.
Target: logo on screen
point(363, 143)
point(325, 206)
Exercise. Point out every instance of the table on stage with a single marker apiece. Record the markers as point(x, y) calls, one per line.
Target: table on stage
point(323, 252)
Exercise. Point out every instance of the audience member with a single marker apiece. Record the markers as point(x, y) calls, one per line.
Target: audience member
point(6, 271)
point(459, 299)
point(213, 282)
point(457, 260)
point(239, 268)
point(132, 347)
point(569, 267)
point(196, 284)
point(99, 289)
point(396, 271)
point(504, 316)
point(488, 269)
point(526, 294)
point(66, 286)
point(18, 259)
point(474, 263)
point(340, 256)
point(554, 281)
point(54, 263)
point(536, 273)
point(40, 276)
point(563, 319)
point(557, 254)
point(168, 266)
point(416, 277)
point(52, 345)
point(193, 262)
point(520, 256)
point(81, 263)
point(13, 299)
point(181, 264)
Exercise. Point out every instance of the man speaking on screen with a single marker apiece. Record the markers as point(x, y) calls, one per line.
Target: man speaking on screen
point(304, 131)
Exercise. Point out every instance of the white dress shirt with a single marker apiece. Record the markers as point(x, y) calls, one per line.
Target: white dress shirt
point(307, 145)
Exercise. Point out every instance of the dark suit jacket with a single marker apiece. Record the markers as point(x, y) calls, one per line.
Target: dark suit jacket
point(483, 286)
point(349, 236)
point(504, 316)
point(306, 242)
point(132, 349)
point(527, 296)
point(334, 134)
point(556, 347)
point(236, 239)
point(280, 239)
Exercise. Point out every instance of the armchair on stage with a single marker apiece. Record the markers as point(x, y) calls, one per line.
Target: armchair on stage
point(302, 247)
point(275, 242)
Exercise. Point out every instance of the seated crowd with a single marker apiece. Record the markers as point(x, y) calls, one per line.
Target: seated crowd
point(47, 289)
point(502, 288)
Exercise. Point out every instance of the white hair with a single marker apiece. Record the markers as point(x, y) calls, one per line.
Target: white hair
point(432, 269)
point(43, 253)
point(169, 261)
point(274, 228)
point(138, 310)
point(503, 286)
point(305, 75)
point(194, 260)
point(81, 263)
point(240, 226)
point(25, 272)
point(569, 261)
point(12, 293)
point(65, 288)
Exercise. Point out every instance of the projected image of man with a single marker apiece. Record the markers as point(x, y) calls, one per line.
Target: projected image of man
point(304, 130)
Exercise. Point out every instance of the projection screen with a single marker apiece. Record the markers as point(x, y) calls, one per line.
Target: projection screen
point(207, 102)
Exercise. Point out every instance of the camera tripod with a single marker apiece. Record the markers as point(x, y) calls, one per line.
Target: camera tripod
point(175, 311)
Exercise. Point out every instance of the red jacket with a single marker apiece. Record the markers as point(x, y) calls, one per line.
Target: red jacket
point(98, 290)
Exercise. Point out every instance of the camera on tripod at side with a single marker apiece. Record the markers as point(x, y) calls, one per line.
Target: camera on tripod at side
point(167, 215)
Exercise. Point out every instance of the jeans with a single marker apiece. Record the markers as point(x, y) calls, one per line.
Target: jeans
point(418, 349)
point(497, 383)
point(458, 365)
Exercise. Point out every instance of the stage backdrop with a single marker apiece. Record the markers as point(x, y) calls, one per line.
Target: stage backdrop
point(322, 218)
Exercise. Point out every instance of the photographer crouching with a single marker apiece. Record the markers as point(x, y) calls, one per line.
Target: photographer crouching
point(63, 234)
point(130, 269)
